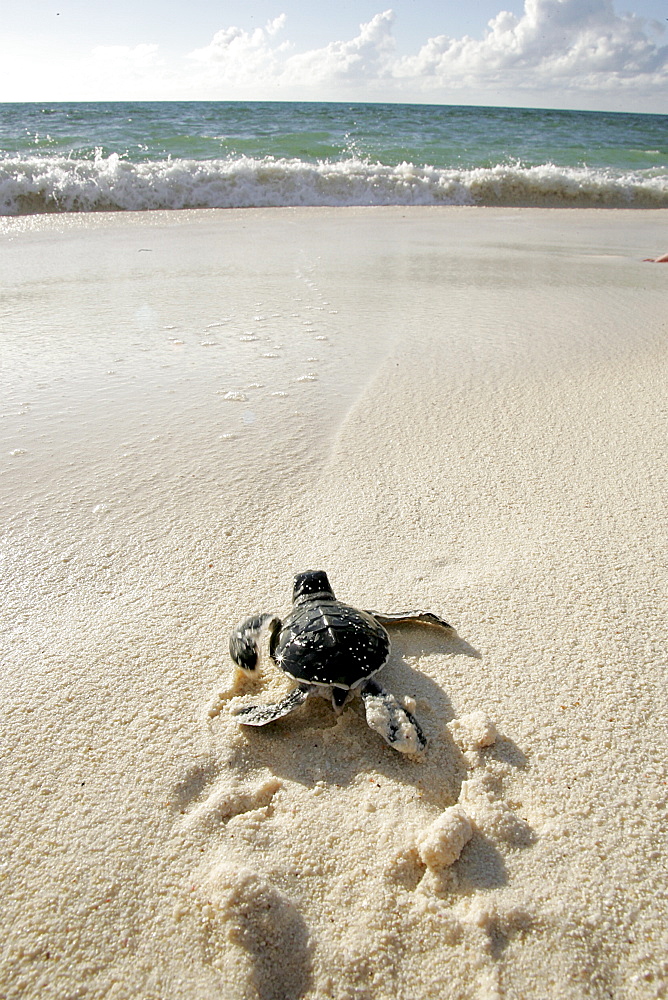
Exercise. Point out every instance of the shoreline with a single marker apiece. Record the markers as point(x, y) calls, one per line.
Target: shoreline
point(479, 433)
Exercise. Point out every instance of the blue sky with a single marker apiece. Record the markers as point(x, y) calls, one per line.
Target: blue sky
point(595, 54)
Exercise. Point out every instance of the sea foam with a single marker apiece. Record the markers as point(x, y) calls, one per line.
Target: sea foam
point(32, 185)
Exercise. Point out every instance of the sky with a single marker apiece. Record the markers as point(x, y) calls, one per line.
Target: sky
point(582, 54)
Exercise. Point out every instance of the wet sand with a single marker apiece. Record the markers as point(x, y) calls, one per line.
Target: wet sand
point(461, 410)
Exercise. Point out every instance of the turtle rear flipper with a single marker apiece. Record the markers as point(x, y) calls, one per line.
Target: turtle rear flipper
point(244, 641)
point(261, 715)
point(393, 722)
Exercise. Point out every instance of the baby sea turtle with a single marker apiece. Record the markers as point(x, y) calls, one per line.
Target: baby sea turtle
point(331, 650)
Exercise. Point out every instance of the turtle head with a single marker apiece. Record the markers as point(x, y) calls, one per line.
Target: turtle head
point(312, 583)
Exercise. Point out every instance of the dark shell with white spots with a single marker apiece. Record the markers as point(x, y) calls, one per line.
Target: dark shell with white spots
point(326, 642)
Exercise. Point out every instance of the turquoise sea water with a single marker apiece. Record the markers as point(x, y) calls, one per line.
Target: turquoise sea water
point(170, 155)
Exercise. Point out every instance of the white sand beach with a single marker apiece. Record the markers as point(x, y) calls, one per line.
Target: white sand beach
point(455, 409)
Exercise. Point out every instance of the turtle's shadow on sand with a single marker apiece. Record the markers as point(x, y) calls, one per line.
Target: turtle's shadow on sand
point(426, 640)
point(313, 746)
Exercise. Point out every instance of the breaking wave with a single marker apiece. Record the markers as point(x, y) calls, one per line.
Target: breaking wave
point(33, 185)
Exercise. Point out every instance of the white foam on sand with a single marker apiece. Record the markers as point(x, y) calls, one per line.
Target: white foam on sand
point(484, 440)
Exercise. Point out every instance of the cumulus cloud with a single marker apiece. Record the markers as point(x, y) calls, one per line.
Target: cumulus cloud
point(569, 45)
point(369, 56)
point(249, 59)
point(572, 43)
point(239, 58)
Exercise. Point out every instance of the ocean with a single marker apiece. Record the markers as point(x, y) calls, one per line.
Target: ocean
point(127, 156)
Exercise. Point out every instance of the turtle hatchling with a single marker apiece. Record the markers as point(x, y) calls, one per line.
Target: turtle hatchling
point(332, 650)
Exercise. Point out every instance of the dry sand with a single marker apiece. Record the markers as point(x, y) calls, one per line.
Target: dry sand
point(456, 409)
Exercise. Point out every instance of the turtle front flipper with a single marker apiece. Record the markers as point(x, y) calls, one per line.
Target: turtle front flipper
point(425, 617)
point(260, 715)
point(393, 722)
point(244, 648)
